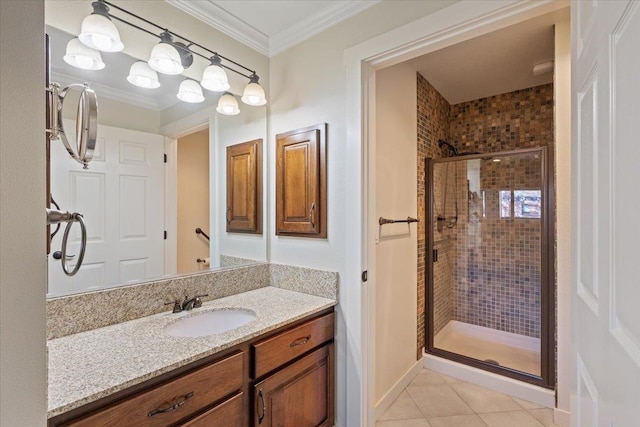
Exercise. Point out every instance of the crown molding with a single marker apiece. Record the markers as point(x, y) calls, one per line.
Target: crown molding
point(212, 14)
point(303, 29)
point(315, 24)
point(111, 93)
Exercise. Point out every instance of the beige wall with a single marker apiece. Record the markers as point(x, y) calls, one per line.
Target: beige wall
point(308, 86)
point(122, 115)
point(23, 285)
point(193, 199)
point(396, 254)
point(562, 88)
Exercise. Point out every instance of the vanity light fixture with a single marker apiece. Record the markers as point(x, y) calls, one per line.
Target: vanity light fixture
point(214, 77)
point(165, 57)
point(80, 56)
point(254, 93)
point(98, 31)
point(141, 75)
point(172, 55)
point(228, 105)
point(190, 91)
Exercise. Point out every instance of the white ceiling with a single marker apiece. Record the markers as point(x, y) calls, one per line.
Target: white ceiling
point(272, 26)
point(496, 63)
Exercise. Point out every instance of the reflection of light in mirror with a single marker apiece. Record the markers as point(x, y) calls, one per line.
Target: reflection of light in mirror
point(254, 93)
point(83, 57)
point(228, 105)
point(141, 75)
point(190, 91)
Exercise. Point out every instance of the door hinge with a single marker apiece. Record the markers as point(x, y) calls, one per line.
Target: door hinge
point(165, 234)
point(364, 276)
point(435, 255)
point(165, 158)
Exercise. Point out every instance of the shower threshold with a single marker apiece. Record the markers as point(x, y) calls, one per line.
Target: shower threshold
point(514, 351)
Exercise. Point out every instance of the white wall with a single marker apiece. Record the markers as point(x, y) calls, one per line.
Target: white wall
point(23, 376)
point(308, 86)
point(395, 294)
point(562, 87)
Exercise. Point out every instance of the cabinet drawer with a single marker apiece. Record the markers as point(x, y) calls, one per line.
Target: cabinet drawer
point(286, 346)
point(230, 413)
point(174, 400)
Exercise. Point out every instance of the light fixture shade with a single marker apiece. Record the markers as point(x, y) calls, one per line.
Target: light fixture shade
point(80, 56)
point(214, 77)
point(98, 32)
point(190, 91)
point(253, 93)
point(165, 59)
point(141, 75)
point(228, 105)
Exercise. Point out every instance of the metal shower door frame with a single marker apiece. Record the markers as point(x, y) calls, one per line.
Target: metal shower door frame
point(547, 379)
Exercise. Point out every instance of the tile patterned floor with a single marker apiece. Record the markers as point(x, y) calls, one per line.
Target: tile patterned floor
point(436, 400)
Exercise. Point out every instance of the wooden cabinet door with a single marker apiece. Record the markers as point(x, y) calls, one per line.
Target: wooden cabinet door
point(230, 413)
point(244, 187)
point(300, 395)
point(301, 182)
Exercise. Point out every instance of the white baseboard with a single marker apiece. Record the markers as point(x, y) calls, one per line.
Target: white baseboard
point(519, 389)
point(561, 417)
point(489, 334)
point(393, 393)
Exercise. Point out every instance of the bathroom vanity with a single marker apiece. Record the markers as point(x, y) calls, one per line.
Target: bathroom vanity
point(275, 370)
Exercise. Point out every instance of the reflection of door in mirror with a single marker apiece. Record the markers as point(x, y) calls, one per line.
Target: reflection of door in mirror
point(193, 201)
point(122, 198)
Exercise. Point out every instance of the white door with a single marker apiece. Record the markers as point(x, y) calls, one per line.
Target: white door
point(121, 196)
point(606, 206)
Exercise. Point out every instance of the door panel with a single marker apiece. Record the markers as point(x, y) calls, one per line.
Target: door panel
point(606, 321)
point(121, 196)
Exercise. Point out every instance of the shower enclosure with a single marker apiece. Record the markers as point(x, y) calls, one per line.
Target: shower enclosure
point(489, 262)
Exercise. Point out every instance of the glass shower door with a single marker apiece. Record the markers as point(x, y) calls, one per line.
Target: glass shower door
point(489, 259)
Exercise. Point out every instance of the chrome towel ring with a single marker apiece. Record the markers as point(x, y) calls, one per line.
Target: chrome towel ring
point(86, 121)
point(56, 217)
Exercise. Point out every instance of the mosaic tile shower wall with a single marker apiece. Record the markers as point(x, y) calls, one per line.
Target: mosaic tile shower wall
point(433, 124)
point(495, 279)
point(497, 276)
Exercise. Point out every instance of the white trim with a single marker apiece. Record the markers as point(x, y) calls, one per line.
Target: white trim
point(223, 21)
point(229, 24)
point(519, 389)
point(187, 125)
point(171, 207)
point(561, 417)
point(393, 393)
point(110, 92)
point(493, 335)
point(316, 23)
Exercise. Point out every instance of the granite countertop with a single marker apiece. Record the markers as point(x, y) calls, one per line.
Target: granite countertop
point(90, 365)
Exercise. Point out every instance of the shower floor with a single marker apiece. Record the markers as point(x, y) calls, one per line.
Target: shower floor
point(510, 350)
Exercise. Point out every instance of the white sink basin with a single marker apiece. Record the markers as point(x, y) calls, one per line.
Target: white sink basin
point(209, 323)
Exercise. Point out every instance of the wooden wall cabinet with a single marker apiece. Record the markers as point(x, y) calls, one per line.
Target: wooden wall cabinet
point(301, 182)
point(244, 187)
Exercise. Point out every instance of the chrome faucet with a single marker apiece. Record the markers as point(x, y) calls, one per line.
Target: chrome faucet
point(192, 303)
point(187, 304)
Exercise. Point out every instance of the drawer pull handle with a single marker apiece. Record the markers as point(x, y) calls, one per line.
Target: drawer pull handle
point(172, 407)
point(264, 407)
point(300, 341)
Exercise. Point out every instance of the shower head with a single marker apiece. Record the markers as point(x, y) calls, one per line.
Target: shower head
point(453, 150)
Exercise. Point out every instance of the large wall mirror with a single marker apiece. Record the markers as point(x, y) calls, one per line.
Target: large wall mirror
point(142, 209)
